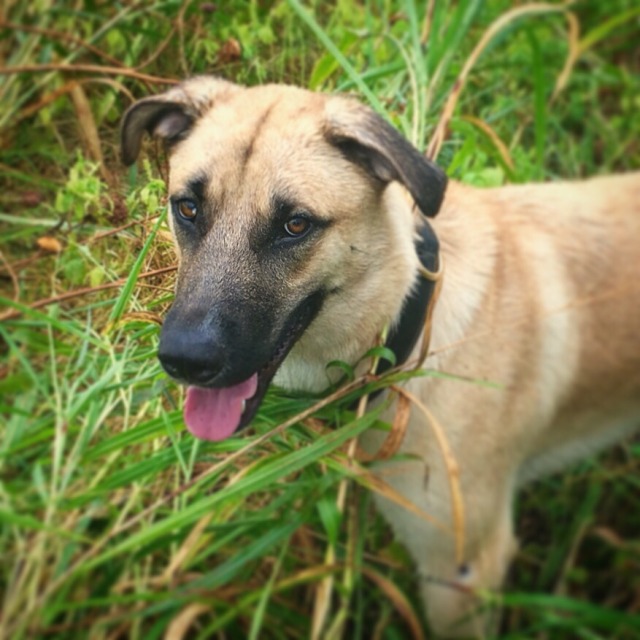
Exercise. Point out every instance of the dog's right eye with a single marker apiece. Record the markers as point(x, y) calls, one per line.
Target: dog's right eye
point(187, 209)
point(297, 226)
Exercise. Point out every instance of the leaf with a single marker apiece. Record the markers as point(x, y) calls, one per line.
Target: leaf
point(75, 271)
point(383, 353)
point(96, 276)
point(347, 369)
point(330, 516)
point(603, 30)
point(322, 70)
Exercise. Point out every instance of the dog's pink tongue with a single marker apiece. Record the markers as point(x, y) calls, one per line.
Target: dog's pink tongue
point(214, 414)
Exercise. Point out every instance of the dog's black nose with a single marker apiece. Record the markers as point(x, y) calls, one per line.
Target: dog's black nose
point(191, 356)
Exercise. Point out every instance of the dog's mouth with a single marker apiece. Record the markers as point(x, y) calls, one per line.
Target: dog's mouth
point(217, 413)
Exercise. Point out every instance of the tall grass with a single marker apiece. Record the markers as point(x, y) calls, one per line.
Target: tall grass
point(115, 522)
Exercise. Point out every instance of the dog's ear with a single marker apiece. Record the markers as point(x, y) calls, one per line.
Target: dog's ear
point(368, 140)
point(170, 115)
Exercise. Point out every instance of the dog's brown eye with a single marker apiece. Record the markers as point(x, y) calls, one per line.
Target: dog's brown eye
point(187, 209)
point(297, 226)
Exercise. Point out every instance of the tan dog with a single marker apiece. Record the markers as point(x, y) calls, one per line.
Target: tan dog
point(295, 219)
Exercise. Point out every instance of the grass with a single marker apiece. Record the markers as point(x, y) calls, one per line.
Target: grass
point(115, 523)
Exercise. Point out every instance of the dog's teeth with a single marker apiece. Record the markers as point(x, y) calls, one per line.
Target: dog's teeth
point(244, 405)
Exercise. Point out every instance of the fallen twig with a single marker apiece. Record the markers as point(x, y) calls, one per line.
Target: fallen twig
point(85, 68)
point(76, 293)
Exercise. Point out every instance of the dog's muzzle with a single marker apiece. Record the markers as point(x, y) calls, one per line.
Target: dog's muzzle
point(228, 360)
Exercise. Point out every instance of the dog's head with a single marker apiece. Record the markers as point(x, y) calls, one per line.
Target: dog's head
point(291, 243)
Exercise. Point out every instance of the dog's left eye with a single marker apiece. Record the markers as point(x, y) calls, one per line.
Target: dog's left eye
point(187, 209)
point(297, 227)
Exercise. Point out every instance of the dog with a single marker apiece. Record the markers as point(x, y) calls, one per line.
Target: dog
point(299, 219)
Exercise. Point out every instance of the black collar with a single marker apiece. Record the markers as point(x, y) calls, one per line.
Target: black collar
point(404, 336)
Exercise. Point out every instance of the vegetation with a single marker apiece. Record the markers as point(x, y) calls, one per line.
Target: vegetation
point(115, 522)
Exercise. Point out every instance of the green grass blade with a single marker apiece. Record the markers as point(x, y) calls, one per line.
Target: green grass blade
point(130, 284)
point(330, 46)
point(259, 480)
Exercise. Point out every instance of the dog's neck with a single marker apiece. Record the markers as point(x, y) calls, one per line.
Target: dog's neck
point(415, 320)
point(468, 260)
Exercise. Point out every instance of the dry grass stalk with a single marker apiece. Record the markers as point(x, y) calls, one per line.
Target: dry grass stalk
point(495, 139)
point(89, 131)
point(85, 68)
point(500, 23)
point(453, 474)
point(399, 601)
point(76, 293)
point(575, 51)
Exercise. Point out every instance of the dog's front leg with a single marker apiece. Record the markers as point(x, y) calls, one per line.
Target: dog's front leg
point(452, 593)
point(451, 586)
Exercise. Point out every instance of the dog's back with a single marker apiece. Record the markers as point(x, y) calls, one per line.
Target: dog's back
point(593, 228)
point(547, 278)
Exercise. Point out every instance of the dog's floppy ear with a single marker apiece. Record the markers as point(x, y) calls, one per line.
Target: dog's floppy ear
point(170, 115)
point(367, 139)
